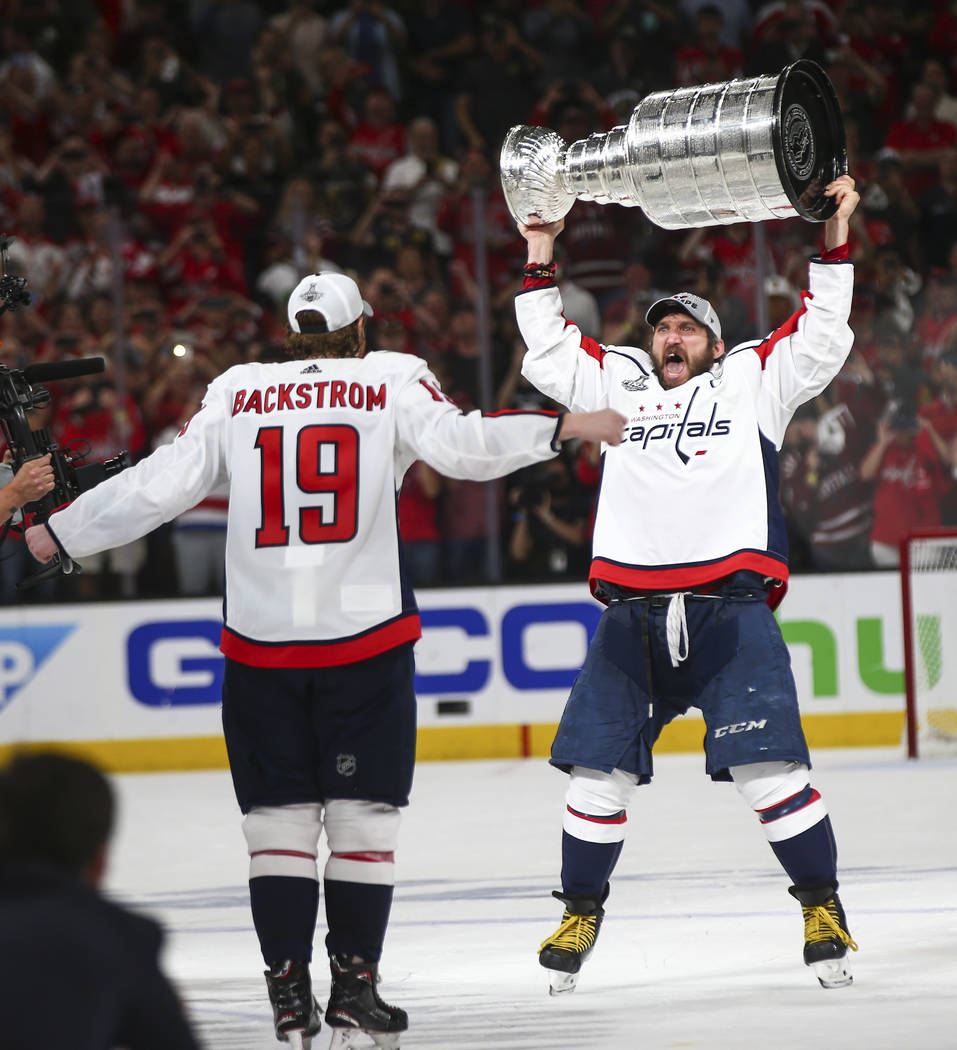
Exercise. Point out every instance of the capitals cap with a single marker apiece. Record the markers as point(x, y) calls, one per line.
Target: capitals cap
point(685, 303)
point(334, 295)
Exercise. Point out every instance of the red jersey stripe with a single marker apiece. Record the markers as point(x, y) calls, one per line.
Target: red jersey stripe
point(765, 349)
point(369, 856)
point(684, 576)
point(321, 654)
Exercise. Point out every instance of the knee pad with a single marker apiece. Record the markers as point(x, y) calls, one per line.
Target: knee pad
point(362, 837)
point(781, 795)
point(596, 804)
point(282, 840)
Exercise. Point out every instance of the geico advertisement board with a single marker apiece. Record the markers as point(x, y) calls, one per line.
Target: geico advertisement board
point(487, 656)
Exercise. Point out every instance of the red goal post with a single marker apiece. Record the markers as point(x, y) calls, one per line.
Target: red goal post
point(928, 571)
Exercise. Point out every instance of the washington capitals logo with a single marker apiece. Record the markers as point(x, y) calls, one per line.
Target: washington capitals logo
point(641, 383)
point(688, 437)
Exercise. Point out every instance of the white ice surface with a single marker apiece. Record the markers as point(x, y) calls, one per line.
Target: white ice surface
point(701, 946)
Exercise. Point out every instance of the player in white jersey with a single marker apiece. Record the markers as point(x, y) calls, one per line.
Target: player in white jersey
point(690, 556)
point(319, 617)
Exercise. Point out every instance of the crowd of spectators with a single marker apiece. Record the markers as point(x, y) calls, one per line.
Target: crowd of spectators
point(170, 168)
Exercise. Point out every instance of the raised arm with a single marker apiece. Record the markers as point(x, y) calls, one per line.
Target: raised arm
point(837, 227)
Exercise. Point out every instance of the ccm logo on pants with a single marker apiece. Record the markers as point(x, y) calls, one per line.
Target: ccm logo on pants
point(740, 727)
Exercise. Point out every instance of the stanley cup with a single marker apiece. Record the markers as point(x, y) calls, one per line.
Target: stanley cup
point(742, 151)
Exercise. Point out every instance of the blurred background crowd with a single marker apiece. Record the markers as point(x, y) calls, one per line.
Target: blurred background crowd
point(169, 169)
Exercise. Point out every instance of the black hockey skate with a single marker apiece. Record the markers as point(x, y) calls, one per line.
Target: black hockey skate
point(355, 1010)
point(295, 1011)
point(570, 945)
point(826, 936)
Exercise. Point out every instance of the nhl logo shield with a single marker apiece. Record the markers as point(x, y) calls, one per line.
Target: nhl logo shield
point(346, 765)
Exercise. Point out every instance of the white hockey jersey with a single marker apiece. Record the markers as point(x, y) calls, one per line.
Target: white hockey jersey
point(314, 453)
point(691, 495)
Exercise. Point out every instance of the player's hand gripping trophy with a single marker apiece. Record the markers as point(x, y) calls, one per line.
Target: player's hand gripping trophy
point(745, 150)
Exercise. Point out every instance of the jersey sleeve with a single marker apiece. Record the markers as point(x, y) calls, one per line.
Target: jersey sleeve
point(170, 480)
point(469, 445)
point(560, 361)
point(801, 357)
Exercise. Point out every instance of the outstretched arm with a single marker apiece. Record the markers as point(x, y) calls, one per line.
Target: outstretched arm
point(605, 425)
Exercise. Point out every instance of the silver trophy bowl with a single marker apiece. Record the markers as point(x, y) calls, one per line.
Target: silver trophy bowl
point(742, 151)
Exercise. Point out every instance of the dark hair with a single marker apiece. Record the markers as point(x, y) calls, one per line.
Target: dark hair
point(55, 809)
point(301, 346)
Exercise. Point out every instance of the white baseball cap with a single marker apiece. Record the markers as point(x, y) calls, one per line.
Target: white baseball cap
point(685, 303)
point(332, 294)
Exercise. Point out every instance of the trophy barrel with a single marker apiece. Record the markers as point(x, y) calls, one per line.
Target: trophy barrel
point(742, 151)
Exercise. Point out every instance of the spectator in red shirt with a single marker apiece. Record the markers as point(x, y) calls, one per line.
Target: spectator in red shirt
point(419, 524)
point(921, 140)
point(706, 60)
point(909, 465)
point(936, 327)
point(195, 264)
point(379, 138)
point(941, 413)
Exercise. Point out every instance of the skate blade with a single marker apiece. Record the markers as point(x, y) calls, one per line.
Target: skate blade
point(833, 973)
point(358, 1039)
point(560, 983)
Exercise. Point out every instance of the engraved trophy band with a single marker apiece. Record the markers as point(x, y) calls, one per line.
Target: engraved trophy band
point(742, 151)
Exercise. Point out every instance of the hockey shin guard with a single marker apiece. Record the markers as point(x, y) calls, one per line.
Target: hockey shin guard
point(283, 878)
point(794, 819)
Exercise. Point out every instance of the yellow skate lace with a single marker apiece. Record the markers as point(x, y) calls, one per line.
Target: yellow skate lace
point(821, 924)
point(576, 934)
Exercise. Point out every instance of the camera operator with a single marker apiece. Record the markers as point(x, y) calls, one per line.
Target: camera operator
point(549, 539)
point(33, 480)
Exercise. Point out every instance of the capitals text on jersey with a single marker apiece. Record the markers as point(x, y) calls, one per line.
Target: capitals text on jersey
point(325, 394)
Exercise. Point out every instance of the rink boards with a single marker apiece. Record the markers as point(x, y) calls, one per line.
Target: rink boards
point(136, 685)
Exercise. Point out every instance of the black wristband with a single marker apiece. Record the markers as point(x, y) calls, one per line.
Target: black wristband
point(539, 270)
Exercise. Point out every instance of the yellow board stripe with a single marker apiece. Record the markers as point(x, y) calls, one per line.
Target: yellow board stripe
point(445, 743)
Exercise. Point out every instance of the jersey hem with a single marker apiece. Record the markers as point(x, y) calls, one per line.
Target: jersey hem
point(321, 654)
point(678, 577)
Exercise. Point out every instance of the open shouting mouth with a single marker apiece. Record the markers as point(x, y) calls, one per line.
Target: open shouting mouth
point(675, 369)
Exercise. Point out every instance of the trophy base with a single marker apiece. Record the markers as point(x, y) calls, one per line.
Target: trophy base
point(809, 142)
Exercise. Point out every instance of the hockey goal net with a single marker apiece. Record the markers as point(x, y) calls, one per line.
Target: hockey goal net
point(929, 600)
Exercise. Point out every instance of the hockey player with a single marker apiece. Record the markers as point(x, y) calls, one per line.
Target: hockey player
point(319, 618)
point(689, 555)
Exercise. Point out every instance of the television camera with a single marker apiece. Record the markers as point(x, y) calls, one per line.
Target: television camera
point(20, 394)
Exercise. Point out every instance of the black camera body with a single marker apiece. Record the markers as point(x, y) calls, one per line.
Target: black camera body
point(19, 396)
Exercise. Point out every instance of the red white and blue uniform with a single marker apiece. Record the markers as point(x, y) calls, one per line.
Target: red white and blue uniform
point(689, 534)
point(689, 540)
point(692, 493)
point(313, 453)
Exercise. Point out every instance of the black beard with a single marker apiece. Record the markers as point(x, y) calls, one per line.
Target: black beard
point(693, 371)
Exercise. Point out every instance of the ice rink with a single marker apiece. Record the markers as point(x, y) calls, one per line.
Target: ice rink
point(701, 945)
